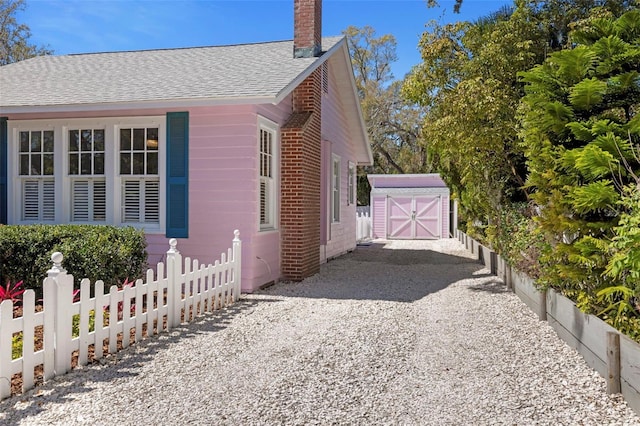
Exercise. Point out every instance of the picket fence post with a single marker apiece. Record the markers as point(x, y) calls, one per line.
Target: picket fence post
point(237, 256)
point(58, 298)
point(174, 284)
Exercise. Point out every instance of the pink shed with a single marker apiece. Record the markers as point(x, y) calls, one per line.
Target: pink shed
point(410, 206)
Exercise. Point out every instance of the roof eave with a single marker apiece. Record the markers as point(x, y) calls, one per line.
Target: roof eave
point(288, 89)
point(155, 104)
point(364, 154)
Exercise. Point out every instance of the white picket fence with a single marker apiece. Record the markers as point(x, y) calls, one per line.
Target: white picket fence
point(363, 226)
point(163, 301)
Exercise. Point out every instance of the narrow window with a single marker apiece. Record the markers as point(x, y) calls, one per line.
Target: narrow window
point(335, 193)
point(139, 172)
point(268, 175)
point(36, 172)
point(86, 172)
point(351, 199)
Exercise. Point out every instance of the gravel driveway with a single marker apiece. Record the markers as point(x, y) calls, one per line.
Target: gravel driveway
point(407, 332)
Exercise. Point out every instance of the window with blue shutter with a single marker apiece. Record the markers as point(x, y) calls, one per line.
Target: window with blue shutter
point(177, 175)
point(3, 169)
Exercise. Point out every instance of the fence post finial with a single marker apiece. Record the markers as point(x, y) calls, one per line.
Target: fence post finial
point(56, 269)
point(174, 284)
point(173, 244)
point(237, 256)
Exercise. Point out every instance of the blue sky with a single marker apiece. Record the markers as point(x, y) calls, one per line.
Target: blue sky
point(81, 26)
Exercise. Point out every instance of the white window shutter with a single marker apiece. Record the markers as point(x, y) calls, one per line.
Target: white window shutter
point(80, 203)
point(99, 200)
point(48, 200)
point(152, 201)
point(31, 200)
point(131, 201)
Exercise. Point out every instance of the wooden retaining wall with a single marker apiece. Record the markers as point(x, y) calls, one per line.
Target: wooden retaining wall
point(612, 354)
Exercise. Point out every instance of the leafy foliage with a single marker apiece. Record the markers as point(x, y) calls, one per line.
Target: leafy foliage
point(12, 292)
point(393, 123)
point(95, 252)
point(579, 126)
point(14, 37)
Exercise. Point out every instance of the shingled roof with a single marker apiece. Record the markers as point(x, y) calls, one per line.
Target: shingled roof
point(245, 73)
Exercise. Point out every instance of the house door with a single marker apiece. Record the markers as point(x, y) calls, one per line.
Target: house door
point(414, 217)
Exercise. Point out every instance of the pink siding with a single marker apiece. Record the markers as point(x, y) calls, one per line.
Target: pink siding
point(223, 183)
point(223, 189)
point(445, 216)
point(407, 181)
point(223, 186)
point(341, 237)
point(379, 216)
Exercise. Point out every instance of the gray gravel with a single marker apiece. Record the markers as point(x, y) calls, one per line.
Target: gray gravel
point(411, 333)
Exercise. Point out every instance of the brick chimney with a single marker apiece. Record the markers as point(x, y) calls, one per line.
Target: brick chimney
point(301, 156)
point(307, 28)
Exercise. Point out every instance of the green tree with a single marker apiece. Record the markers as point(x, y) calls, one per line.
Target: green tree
point(14, 36)
point(468, 87)
point(393, 123)
point(579, 128)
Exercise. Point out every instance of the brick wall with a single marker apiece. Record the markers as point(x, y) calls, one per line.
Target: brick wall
point(300, 182)
point(307, 28)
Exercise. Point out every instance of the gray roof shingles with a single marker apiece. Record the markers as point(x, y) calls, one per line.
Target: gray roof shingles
point(260, 70)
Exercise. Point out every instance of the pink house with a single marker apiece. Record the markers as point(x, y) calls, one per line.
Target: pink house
point(191, 144)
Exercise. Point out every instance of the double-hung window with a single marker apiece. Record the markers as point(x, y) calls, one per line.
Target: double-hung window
point(86, 175)
point(335, 189)
point(36, 173)
point(139, 174)
point(268, 147)
point(92, 171)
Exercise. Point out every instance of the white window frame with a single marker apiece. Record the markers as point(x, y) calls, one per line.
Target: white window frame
point(44, 185)
point(335, 188)
point(271, 183)
point(62, 179)
point(91, 180)
point(144, 183)
point(351, 182)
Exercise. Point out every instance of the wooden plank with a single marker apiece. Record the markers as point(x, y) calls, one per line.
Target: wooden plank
point(100, 332)
point(141, 290)
point(526, 291)
point(85, 308)
point(128, 322)
point(28, 325)
point(589, 329)
point(113, 318)
point(613, 363)
point(631, 395)
point(630, 372)
point(6, 333)
point(590, 358)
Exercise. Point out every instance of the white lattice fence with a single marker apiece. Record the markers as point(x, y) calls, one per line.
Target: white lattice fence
point(166, 298)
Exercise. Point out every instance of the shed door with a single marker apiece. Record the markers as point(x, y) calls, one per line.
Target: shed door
point(414, 217)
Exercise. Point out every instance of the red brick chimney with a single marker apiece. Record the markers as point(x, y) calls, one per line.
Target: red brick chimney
point(301, 156)
point(307, 28)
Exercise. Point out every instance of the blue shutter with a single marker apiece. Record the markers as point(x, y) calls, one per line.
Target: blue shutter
point(4, 141)
point(177, 175)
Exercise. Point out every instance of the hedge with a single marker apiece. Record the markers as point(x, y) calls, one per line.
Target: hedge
point(97, 252)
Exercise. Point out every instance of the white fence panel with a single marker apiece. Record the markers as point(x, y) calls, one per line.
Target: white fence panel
point(127, 314)
point(363, 227)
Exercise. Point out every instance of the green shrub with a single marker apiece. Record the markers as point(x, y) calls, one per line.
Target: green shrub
point(96, 252)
